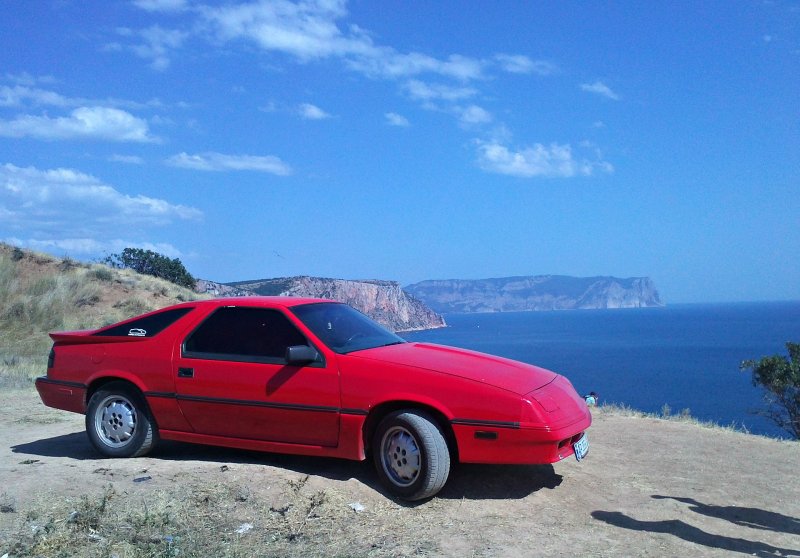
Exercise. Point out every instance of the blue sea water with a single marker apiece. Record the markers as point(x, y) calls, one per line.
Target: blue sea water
point(685, 356)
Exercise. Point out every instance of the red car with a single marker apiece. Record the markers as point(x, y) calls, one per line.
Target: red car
point(310, 377)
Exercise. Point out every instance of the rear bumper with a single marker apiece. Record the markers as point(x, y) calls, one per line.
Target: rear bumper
point(68, 396)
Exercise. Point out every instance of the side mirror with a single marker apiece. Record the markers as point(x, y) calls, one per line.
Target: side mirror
point(299, 355)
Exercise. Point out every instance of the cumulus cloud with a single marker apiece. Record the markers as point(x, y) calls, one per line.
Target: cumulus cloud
point(91, 246)
point(474, 114)
point(211, 161)
point(26, 95)
point(156, 44)
point(600, 88)
point(428, 92)
point(520, 64)
point(58, 204)
point(394, 119)
point(312, 112)
point(553, 161)
point(21, 94)
point(161, 5)
point(127, 159)
point(310, 30)
point(82, 123)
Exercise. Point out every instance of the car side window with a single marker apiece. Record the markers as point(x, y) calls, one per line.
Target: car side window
point(243, 334)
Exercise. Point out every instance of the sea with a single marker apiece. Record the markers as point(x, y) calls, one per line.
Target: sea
point(680, 357)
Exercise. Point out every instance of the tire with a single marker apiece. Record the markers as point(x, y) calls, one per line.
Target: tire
point(118, 421)
point(411, 455)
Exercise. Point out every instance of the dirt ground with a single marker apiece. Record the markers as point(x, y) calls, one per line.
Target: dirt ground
point(649, 487)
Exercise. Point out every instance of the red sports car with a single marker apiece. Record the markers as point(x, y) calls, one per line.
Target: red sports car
point(311, 377)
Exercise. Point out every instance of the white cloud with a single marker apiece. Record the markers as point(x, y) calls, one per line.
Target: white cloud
point(553, 161)
point(82, 123)
point(520, 64)
point(161, 5)
point(394, 119)
point(385, 62)
point(24, 94)
point(312, 112)
point(210, 161)
point(25, 78)
point(428, 92)
point(127, 159)
point(309, 30)
point(305, 30)
point(474, 114)
point(601, 89)
point(91, 246)
point(19, 94)
point(158, 43)
point(66, 203)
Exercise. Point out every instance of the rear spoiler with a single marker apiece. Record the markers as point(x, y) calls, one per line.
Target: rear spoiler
point(90, 337)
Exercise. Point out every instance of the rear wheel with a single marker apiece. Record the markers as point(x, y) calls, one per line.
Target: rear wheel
point(411, 455)
point(118, 422)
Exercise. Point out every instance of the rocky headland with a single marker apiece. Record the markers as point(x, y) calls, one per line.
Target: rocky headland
point(540, 292)
point(383, 301)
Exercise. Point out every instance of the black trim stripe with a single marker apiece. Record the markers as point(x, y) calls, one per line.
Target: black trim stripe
point(46, 380)
point(251, 403)
point(360, 412)
point(485, 423)
point(164, 394)
point(294, 406)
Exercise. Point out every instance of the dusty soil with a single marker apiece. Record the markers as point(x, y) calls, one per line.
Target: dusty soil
point(649, 487)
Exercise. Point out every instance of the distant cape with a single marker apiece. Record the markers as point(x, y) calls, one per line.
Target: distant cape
point(383, 301)
point(537, 292)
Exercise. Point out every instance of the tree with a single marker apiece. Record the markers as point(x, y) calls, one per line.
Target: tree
point(152, 263)
point(780, 377)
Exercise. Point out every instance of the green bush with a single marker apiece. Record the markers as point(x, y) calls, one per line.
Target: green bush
point(152, 263)
point(780, 378)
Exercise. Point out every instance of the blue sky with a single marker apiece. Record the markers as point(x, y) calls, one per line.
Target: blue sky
point(411, 140)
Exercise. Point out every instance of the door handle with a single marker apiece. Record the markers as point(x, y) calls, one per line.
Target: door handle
point(185, 372)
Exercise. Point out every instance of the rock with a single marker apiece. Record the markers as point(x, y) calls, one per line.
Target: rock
point(540, 292)
point(383, 301)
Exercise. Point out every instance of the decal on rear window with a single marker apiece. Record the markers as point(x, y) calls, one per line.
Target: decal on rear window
point(146, 326)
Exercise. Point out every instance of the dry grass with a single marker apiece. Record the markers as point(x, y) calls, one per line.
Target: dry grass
point(684, 415)
point(214, 519)
point(40, 293)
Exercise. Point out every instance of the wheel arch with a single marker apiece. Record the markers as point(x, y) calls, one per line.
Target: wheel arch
point(100, 382)
point(108, 377)
point(381, 411)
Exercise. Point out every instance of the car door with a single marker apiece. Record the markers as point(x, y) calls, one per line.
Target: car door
point(232, 380)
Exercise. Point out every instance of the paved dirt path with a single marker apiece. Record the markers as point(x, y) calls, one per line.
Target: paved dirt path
point(648, 488)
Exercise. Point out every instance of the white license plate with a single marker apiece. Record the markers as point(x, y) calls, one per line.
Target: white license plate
point(581, 447)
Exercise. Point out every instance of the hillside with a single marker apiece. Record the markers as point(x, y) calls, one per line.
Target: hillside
point(40, 293)
point(540, 292)
point(383, 301)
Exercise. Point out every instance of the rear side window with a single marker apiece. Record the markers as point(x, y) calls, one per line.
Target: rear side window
point(243, 334)
point(147, 326)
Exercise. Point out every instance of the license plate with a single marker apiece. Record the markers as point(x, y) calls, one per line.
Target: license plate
point(581, 447)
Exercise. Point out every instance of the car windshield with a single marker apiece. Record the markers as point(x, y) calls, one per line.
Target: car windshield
point(343, 328)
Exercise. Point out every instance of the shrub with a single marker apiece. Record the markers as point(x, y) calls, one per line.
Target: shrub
point(780, 378)
point(152, 263)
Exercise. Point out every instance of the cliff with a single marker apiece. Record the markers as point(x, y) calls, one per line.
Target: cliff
point(541, 292)
point(383, 301)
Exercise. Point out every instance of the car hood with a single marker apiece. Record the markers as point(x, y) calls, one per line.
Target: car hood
point(503, 373)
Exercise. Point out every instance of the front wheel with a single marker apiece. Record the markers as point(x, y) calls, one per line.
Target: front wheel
point(118, 422)
point(411, 455)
